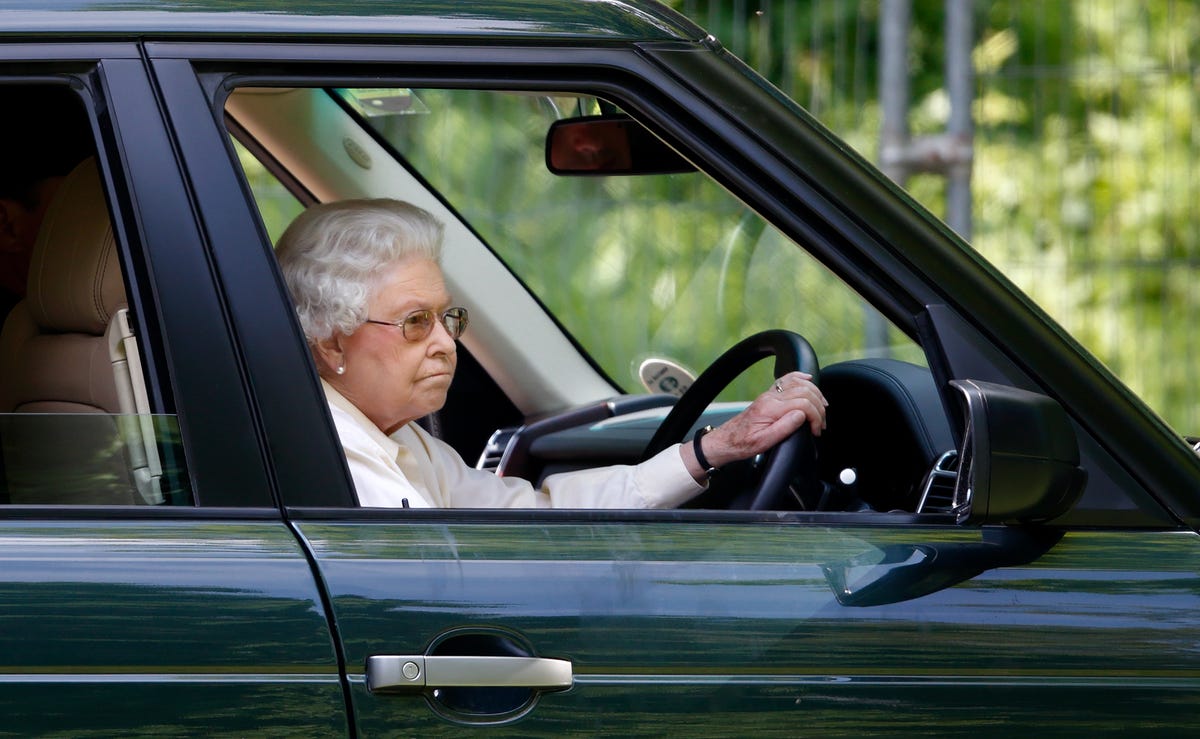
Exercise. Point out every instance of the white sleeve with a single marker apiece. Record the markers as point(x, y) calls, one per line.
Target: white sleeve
point(660, 482)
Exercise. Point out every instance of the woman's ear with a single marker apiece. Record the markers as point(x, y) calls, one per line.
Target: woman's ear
point(330, 355)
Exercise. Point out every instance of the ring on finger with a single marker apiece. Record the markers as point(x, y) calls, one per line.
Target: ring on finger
point(778, 386)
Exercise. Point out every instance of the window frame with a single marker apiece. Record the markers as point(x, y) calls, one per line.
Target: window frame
point(642, 81)
point(183, 352)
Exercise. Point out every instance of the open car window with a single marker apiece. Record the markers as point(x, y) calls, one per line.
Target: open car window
point(578, 281)
point(582, 288)
point(636, 268)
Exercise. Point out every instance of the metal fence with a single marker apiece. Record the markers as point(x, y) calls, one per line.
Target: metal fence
point(1083, 186)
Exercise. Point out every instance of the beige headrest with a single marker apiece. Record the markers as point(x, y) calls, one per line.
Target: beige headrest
point(74, 275)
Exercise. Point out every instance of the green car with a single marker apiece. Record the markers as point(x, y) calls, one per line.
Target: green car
point(992, 536)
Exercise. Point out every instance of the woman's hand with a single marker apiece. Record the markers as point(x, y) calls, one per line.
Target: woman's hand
point(791, 401)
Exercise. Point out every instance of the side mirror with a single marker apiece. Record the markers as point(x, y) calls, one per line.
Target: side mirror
point(609, 145)
point(900, 572)
point(1019, 460)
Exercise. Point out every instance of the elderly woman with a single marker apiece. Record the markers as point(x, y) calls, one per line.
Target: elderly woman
point(367, 282)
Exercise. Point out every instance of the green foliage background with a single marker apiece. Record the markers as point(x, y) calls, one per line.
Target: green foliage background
point(1084, 184)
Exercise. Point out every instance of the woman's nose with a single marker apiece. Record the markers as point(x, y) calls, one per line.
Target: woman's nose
point(440, 338)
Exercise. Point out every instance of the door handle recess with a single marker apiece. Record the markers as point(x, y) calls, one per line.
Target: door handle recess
point(403, 674)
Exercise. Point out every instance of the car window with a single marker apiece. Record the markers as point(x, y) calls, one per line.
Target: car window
point(578, 280)
point(76, 426)
point(666, 267)
point(275, 202)
point(637, 268)
point(654, 267)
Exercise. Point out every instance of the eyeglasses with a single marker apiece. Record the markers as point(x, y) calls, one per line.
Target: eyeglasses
point(418, 324)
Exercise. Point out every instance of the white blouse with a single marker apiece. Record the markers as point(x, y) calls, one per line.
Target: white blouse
point(413, 469)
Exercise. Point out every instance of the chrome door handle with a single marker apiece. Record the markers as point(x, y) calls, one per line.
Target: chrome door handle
point(401, 674)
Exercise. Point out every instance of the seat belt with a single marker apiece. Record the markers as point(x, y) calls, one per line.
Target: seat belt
point(135, 420)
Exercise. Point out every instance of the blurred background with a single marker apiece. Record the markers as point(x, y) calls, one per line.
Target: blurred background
point(1059, 137)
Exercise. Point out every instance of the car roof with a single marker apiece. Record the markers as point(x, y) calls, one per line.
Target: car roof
point(578, 20)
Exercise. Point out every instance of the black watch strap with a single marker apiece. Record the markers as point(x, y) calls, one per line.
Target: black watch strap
point(709, 470)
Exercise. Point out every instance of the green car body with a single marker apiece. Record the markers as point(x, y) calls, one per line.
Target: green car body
point(256, 609)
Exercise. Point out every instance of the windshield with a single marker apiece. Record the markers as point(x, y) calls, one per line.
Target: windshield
point(635, 268)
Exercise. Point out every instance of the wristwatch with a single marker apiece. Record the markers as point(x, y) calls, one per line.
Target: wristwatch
point(709, 470)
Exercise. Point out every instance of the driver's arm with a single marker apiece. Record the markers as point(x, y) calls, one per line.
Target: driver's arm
point(792, 401)
point(663, 481)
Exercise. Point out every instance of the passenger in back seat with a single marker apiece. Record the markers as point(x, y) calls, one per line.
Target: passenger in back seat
point(46, 132)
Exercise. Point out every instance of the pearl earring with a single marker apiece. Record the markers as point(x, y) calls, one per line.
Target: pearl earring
point(341, 370)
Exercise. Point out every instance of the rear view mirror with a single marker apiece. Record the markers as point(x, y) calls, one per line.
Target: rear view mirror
point(609, 145)
point(1019, 460)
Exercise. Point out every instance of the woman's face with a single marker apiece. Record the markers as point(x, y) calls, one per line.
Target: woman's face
point(390, 379)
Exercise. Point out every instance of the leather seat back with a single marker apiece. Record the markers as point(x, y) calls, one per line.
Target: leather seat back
point(62, 443)
point(53, 355)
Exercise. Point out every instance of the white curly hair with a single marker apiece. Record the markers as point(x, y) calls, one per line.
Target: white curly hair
point(332, 252)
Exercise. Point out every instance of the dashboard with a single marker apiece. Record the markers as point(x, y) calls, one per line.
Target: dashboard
point(886, 425)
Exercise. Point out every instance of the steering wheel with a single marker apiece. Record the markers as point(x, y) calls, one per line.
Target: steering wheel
point(795, 456)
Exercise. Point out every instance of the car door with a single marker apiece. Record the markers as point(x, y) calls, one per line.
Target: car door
point(699, 623)
point(178, 602)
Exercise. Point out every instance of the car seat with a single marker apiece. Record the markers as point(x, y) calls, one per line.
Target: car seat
point(75, 434)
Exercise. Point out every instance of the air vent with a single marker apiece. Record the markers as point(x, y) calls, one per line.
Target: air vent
point(937, 492)
point(493, 451)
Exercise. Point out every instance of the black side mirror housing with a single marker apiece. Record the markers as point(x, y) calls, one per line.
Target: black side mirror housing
point(1019, 461)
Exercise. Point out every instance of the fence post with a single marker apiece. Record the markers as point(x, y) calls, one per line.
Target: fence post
point(895, 19)
point(960, 82)
point(950, 153)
